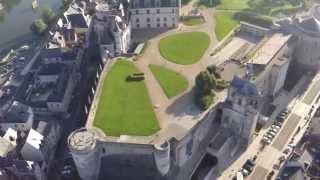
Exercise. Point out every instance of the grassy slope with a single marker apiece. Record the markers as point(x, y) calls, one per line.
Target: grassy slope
point(125, 107)
point(233, 4)
point(224, 23)
point(184, 48)
point(171, 82)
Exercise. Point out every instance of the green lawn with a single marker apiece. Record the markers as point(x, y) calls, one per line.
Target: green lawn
point(184, 48)
point(224, 24)
point(192, 21)
point(125, 107)
point(233, 4)
point(173, 83)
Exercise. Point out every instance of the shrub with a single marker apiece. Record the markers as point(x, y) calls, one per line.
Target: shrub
point(222, 84)
point(39, 26)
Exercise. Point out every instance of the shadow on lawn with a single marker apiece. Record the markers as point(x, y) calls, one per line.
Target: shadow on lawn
point(184, 105)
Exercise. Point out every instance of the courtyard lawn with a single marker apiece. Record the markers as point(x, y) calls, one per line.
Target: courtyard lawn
point(233, 4)
point(173, 83)
point(184, 48)
point(125, 107)
point(192, 21)
point(224, 23)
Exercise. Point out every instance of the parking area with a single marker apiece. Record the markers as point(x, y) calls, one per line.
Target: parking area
point(259, 173)
point(285, 133)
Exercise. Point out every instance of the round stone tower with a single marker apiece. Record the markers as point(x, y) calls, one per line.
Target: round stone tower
point(85, 152)
point(162, 157)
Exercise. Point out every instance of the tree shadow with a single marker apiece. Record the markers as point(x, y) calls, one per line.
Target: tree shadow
point(184, 105)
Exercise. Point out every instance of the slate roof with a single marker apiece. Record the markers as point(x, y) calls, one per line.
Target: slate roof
point(77, 21)
point(311, 24)
point(51, 53)
point(133, 166)
point(244, 87)
point(51, 69)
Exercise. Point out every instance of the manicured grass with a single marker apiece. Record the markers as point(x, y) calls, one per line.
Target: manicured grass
point(192, 21)
point(184, 48)
point(224, 23)
point(125, 107)
point(173, 83)
point(233, 4)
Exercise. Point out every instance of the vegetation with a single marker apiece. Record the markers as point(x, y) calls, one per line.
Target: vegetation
point(185, 2)
point(39, 26)
point(192, 21)
point(48, 16)
point(224, 24)
point(206, 82)
point(204, 95)
point(230, 12)
point(184, 48)
point(124, 106)
point(173, 83)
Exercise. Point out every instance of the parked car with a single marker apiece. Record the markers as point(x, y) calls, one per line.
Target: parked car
point(274, 130)
point(275, 127)
point(277, 123)
point(249, 165)
point(266, 140)
point(268, 136)
point(271, 133)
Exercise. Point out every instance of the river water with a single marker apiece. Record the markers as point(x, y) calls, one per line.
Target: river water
point(16, 17)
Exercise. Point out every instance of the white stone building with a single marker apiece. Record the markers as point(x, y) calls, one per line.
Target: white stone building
point(154, 13)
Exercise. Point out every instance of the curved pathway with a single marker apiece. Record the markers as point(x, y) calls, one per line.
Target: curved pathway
point(180, 108)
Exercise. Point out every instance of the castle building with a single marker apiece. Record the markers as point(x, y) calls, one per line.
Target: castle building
point(154, 13)
point(174, 153)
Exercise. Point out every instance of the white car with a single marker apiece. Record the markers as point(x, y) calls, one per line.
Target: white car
point(272, 133)
point(275, 127)
point(268, 136)
point(266, 140)
point(274, 130)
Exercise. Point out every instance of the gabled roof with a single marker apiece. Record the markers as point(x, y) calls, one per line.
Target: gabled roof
point(244, 87)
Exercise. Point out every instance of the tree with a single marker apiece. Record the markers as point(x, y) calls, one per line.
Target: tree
point(205, 82)
point(38, 26)
point(204, 96)
point(48, 15)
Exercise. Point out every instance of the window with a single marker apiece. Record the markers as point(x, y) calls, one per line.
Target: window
point(148, 25)
point(172, 11)
point(158, 25)
point(137, 11)
point(158, 11)
point(165, 25)
point(158, 19)
point(138, 25)
point(148, 11)
point(137, 20)
point(164, 19)
point(148, 19)
point(173, 25)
